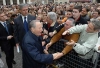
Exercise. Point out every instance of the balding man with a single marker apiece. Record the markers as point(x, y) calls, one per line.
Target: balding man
point(33, 55)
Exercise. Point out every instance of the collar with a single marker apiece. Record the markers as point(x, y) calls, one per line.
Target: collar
point(34, 36)
point(78, 18)
point(23, 17)
point(84, 15)
point(45, 22)
point(2, 22)
point(52, 24)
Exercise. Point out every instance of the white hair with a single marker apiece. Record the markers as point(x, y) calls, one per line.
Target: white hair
point(52, 16)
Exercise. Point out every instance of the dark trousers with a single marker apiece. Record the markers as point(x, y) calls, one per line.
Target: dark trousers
point(9, 52)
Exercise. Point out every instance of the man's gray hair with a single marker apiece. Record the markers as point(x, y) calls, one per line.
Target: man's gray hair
point(22, 5)
point(52, 16)
point(33, 23)
point(96, 23)
point(72, 21)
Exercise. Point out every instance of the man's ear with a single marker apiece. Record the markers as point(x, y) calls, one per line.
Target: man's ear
point(32, 29)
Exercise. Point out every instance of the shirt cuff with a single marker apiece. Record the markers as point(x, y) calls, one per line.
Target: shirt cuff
point(74, 45)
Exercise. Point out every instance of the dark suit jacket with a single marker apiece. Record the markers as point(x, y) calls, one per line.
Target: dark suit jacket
point(19, 30)
point(6, 44)
point(33, 55)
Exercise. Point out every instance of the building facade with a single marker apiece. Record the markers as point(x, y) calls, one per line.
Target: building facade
point(61, 1)
point(11, 2)
point(40, 1)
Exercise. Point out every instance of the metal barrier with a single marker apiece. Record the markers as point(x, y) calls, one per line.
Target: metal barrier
point(97, 61)
point(71, 60)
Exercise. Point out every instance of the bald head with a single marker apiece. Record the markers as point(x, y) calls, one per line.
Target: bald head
point(36, 27)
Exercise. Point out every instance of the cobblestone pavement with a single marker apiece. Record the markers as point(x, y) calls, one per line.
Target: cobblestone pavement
point(17, 58)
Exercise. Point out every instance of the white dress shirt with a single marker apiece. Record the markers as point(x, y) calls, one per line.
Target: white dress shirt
point(23, 18)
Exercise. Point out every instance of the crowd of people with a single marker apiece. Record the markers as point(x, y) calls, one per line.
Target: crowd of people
point(36, 27)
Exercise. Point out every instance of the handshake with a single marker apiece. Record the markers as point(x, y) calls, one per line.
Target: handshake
point(57, 55)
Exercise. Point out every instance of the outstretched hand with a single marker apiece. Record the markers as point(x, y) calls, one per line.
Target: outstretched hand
point(71, 42)
point(47, 46)
point(57, 55)
point(45, 51)
point(65, 32)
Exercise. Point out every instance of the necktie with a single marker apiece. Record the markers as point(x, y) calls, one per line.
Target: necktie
point(5, 25)
point(25, 25)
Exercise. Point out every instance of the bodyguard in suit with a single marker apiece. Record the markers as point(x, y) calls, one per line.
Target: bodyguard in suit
point(21, 23)
point(7, 39)
point(33, 55)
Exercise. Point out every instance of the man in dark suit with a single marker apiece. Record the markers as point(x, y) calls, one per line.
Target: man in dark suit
point(33, 55)
point(6, 39)
point(21, 23)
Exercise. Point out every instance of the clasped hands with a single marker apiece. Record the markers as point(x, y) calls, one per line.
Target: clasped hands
point(56, 55)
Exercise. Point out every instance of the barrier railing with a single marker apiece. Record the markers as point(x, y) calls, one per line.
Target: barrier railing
point(72, 60)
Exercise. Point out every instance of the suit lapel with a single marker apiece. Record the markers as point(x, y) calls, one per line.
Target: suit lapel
point(8, 26)
point(7, 23)
point(21, 21)
point(29, 19)
point(38, 42)
point(3, 28)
